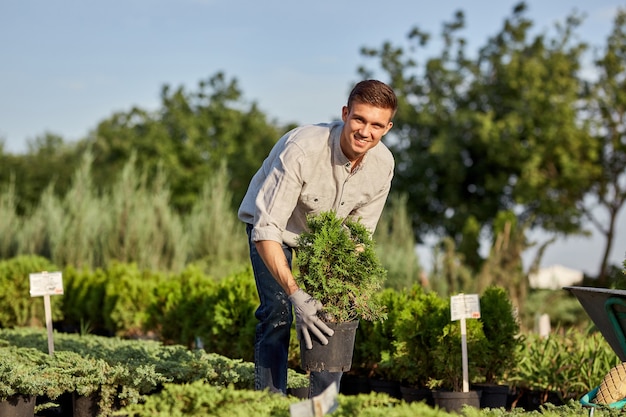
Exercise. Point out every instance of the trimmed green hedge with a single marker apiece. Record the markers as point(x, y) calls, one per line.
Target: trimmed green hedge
point(17, 308)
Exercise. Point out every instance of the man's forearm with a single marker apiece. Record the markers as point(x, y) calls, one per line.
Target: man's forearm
point(274, 258)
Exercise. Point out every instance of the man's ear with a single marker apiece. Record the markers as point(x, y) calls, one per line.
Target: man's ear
point(344, 113)
point(389, 126)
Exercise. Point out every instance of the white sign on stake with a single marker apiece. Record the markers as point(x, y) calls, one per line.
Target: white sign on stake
point(44, 284)
point(464, 306)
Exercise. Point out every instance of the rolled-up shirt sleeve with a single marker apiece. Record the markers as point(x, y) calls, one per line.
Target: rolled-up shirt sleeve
point(278, 195)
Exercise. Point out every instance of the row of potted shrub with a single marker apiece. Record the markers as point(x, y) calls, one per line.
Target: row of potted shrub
point(113, 371)
point(419, 345)
point(141, 378)
point(148, 379)
point(413, 345)
point(416, 346)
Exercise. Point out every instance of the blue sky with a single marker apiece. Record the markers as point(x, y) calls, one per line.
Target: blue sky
point(68, 64)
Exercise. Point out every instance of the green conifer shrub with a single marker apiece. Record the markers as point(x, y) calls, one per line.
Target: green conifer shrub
point(338, 266)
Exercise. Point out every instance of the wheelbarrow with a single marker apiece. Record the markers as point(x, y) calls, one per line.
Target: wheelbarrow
point(607, 310)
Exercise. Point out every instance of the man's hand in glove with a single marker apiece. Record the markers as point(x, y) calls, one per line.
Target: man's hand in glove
point(306, 308)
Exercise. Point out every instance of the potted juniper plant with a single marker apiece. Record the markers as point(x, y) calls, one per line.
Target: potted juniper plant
point(22, 380)
point(86, 380)
point(337, 265)
point(446, 356)
point(502, 345)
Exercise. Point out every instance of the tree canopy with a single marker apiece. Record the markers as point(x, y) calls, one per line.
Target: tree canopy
point(188, 137)
point(498, 131)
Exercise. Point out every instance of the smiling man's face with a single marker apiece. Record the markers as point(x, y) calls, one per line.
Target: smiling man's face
point(364, 126)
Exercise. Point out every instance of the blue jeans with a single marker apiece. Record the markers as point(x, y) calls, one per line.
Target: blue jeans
point(271, 347)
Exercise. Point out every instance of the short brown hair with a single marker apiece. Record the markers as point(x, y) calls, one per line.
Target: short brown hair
point(376, 93)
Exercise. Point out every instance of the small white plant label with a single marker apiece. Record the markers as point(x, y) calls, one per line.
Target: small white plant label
point(319, 406)
point(46, 283)
point(466, 306)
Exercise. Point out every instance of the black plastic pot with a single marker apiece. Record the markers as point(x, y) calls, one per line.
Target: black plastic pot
point(493, 396)
point(18, 406)
point(85, 405)
point(412, 394)
point(354, 385)
point(336, 356)
point(454, 401)
point(391, 388)
point(302, 392)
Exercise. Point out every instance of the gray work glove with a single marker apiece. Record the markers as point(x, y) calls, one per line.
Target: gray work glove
point(306, 308)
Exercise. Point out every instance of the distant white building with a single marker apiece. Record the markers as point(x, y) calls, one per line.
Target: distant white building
point(555, 277)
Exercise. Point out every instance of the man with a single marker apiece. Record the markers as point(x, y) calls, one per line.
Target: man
point(340, 166)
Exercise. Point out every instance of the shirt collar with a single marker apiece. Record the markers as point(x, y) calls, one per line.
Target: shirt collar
point(338, 157)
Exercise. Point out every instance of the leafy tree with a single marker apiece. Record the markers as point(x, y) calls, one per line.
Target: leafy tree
point(498, 132)
point(48, 160)
point(188, 137)
point(608, 113)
